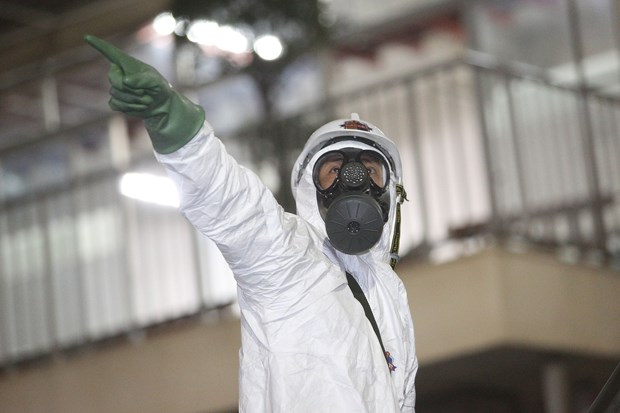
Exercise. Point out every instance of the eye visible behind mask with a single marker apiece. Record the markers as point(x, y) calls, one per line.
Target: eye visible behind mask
point(353, 198)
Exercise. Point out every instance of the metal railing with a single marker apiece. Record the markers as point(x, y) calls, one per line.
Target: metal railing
point(608, 400)
point(487, 152)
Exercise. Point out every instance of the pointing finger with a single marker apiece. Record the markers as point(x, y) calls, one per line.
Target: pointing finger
point(116, 56)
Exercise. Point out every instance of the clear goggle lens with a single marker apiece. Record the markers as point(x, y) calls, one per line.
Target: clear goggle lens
point(327, 168)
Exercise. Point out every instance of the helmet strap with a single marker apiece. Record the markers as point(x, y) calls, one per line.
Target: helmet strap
point(401, 194)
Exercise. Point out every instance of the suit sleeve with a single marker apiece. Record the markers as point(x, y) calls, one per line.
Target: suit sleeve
point(230, 205)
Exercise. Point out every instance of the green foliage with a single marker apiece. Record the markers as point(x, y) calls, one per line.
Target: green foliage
point(296, 22)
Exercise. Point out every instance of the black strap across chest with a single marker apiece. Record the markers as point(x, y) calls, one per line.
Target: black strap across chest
point(359, 296)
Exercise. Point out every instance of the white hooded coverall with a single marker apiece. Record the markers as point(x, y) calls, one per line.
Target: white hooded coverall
point(307, 345)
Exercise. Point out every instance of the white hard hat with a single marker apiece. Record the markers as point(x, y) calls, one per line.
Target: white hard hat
point(347, 129)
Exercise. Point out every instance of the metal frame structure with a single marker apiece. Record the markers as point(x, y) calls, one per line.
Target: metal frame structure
point(491, 154)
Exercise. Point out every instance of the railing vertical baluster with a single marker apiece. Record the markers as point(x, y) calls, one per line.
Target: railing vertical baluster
point(548, 157)
point(598, 138)
point(585, 125)
point(24, 283)
point(460, 159)
point(479, 94)
point(380, 114)
point(44, 221)
point(442, 141)
point(592, 174)
point(517, 144)
point(560, 149)
point(614, 142)
point(366, 103)
point(614, 15)
point(466, 163)
point(4, 293)
point(198, 268)
point(576, 167)
point(103, 271)
point(414, 127)
point(612, 152)
point(131, 253)
point(536, 167)
point(122, 237)
point(76, 213)
point(544, 157)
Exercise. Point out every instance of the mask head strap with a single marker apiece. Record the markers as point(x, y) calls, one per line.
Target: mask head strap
point(402, 197)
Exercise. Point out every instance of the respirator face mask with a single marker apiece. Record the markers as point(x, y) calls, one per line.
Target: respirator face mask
point(353, 197)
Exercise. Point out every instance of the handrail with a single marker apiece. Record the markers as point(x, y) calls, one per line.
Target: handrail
point(525, 71)
point(609, 396)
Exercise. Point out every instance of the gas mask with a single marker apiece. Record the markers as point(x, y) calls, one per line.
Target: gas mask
point(353, 197)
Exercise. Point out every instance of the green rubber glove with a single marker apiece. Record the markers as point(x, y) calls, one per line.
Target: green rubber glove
point(139, 90)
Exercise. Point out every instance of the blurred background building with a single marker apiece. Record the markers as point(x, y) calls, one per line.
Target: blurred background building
point(507, 114)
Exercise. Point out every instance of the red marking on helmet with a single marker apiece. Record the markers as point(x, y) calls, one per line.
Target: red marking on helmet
point(356, 124)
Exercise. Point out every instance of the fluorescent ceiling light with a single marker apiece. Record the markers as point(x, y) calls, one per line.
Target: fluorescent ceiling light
point(164, 24)
point(232, 40)
point(268, 47)
point(149, 188)
point(204, 32)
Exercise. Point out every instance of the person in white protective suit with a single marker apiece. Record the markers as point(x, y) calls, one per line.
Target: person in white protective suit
point(325, 321)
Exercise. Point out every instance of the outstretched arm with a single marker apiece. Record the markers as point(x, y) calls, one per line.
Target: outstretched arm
point(223, 200)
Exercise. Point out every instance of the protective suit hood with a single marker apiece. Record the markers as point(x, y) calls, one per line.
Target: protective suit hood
point(338, 134)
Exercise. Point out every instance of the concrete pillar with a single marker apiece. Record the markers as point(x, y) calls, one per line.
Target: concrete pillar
point(556, 388)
